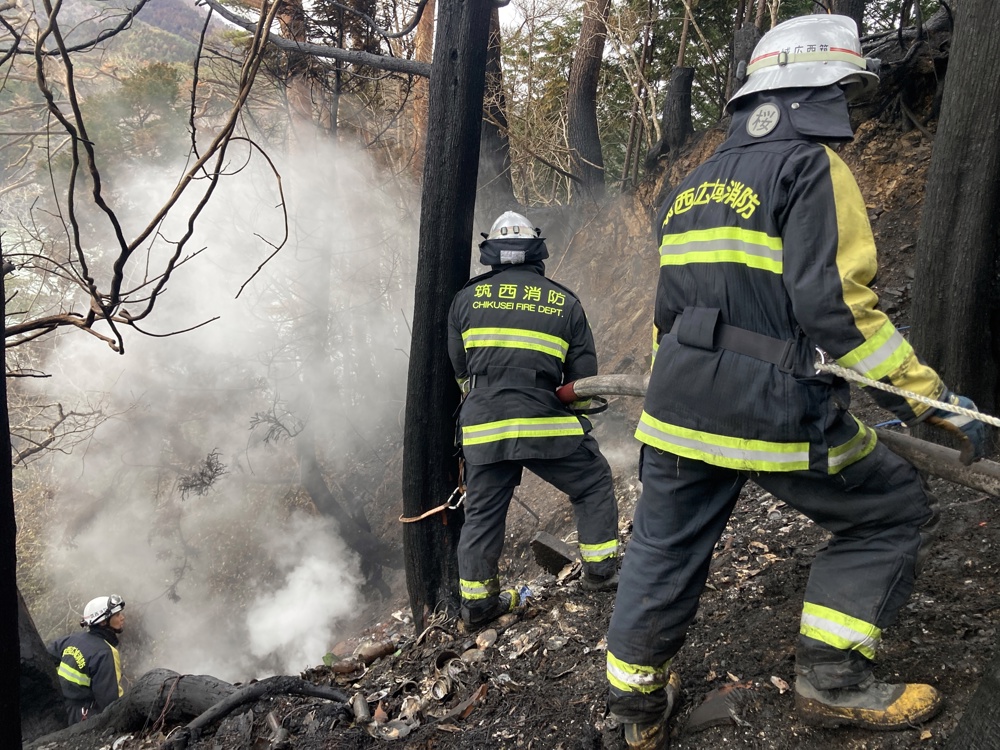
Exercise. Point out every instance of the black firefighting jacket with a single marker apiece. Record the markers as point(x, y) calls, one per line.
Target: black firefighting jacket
point(766, 254)
point(89, 667)
point(514, 336)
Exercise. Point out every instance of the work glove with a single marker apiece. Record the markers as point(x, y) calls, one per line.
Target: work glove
point(971, 431)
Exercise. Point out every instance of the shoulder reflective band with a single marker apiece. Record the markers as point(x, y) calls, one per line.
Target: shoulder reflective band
point(516, 338)
point(784, 57)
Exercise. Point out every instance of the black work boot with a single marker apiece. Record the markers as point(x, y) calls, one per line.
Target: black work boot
point(490, 609)
point(591, 582)
point(655, 735)
point(870, 704)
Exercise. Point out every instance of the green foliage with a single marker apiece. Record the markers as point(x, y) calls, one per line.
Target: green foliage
point(145, 117)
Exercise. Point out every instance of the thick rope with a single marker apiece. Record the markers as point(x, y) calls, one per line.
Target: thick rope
point(824, 366)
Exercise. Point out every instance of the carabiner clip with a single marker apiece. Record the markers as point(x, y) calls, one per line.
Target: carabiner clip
point(822, 360)
point(454, 504)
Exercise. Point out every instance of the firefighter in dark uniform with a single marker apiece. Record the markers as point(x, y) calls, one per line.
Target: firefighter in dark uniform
point(90, 670)
point(766, 254)
point(515, 336)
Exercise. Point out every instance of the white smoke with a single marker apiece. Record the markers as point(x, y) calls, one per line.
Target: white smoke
point(244, 578)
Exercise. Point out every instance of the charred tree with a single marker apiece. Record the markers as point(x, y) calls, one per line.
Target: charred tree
point(443, 260)
point(586, 158)
point(495, 190)
point(42, 707)
point(10, 658)
point(852, 9)
point(956, 291)
point(675, 122)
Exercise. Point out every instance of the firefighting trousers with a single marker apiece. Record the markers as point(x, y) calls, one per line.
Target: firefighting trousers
point(584, 475)
point(876, 510)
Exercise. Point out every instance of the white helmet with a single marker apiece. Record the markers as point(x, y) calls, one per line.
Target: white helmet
point(814, 51)
point(100, 609)
point(512, 226)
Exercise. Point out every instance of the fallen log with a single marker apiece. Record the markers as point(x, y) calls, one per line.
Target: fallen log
point(159, 696)
point(279, 685)
point(162, 698)
point(927, 457)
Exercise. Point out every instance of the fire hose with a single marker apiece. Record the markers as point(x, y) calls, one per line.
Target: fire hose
point(931, 458)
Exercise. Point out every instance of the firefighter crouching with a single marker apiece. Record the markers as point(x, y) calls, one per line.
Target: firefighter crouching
point(90, 671)
point(515, 336)
point(766, 253)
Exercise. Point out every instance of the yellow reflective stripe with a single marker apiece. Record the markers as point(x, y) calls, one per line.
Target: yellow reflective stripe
point(118, 670)
point(784, 57)
point(839, 630)
point(880, 355)
point(722, 450)
point(859, 446)
point(479, 589)
point(598, 552)
point(526, 427)
point(636, 678)
point(656, 345)
point(70, 674)
point(516, 338)
point(723, 245)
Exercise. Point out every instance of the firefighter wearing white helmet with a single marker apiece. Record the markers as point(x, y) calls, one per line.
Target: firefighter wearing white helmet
point(810, 52)
point(765, 256)
point(514, 337)
point(89, 663)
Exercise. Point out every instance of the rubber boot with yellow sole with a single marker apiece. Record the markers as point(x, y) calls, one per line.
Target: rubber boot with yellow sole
point(655, 735)
point(871, 704)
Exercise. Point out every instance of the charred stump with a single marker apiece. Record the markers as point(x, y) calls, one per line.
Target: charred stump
point(42, 707)
point(675, 122)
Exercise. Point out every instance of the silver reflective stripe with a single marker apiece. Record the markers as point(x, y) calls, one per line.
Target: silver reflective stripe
point(845, 634)
point(739, 454)
point(884, 359)
point(773, 256)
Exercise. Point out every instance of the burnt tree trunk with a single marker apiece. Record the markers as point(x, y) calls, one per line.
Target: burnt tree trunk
point(444, 256)
point(10, 657)
point(42, 707)
point(586, 159)
point(677, 127)
point(956, 291)
point(852, 9)
point(744, 40)
point(495, 191)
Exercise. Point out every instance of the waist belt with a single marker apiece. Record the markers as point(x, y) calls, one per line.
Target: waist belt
point(519, 379)
point(700, 327)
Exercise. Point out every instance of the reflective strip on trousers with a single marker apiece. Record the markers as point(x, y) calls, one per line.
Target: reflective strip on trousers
point(742, 454)
point(516, 338)
point(527, 427)
point(839, 630)
point(72, 675)
point(859, 446)
point(880, 355)
point(596, 552)
point(475, 590)
point(723, 245)
point(636, 678)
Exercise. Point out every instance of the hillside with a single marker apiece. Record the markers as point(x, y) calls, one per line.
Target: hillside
point(537, 681)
